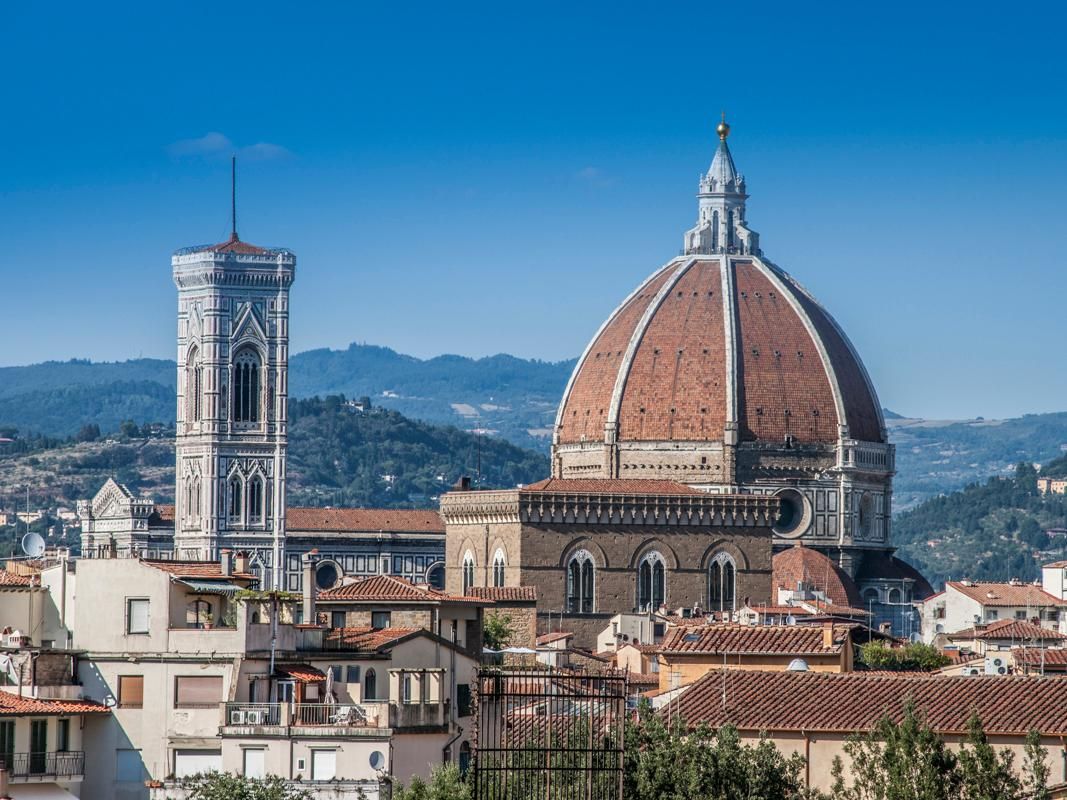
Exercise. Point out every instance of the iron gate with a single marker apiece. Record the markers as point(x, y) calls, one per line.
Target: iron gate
point(543, 734)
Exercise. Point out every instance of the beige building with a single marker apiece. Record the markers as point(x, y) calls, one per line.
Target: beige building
point(1052, 485)
point(204, 672)
point(596, 548)
point(813, 714)
point(687, 653)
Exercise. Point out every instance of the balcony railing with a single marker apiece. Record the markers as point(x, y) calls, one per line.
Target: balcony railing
point(253, 714)
point(46, 765)
point(344, 714)
point(348, 715)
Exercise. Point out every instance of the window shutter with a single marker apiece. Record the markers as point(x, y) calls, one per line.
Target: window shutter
point(137, 616)
point(131, 691)
point(198, 691)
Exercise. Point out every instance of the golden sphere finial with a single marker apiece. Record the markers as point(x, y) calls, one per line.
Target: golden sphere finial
point(723, 129)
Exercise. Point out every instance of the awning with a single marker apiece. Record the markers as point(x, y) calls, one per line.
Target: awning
point(305, 673)
point(38, 791)
point(211, 587)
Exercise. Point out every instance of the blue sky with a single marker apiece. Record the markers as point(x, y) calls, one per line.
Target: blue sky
point(495, 178)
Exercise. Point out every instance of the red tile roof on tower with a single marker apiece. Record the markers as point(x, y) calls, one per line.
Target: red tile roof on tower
point(390, 588)
point(731, 638)
point(363, 519)
point(235, 245)
point(12, 705)
point(504, 594)
point(855, 701)
point(609, 486)
point(803, 564)
point(1007, 594)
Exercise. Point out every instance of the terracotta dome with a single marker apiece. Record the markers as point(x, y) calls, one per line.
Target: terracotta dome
point(705, 343)
point(805, 565)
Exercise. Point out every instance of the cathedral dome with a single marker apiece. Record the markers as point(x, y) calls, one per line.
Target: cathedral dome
point(709, 343)
point(723, 372)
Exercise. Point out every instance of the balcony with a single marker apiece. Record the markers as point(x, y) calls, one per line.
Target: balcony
point(418, 715)
point(304, 719)
point(63, 766)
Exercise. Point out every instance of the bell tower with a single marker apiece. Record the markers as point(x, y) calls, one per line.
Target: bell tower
point(233, 355)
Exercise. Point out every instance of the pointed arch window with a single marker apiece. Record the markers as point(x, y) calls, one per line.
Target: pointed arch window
point(194, 385)
point(651, 582)
point(255, 499)
point(722, 584)
point(468, 571)
point(234, 496)
point(246, 369)
point(498, 567)
point(581, 582)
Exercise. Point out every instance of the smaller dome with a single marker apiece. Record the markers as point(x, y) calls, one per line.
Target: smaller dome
point(805, 565)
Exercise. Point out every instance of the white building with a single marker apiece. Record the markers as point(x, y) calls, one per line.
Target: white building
point(965, 604)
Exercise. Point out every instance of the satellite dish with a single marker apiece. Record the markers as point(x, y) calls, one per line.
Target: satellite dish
point(33, 545)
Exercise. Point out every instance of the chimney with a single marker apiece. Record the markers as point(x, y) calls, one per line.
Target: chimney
point(827, 635)
point(308, 605)
point(226, 562)
point(240, 562)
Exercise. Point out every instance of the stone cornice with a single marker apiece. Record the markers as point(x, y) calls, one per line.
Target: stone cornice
point(721, 510)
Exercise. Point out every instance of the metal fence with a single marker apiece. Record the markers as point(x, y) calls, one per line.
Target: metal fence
point(545, 734)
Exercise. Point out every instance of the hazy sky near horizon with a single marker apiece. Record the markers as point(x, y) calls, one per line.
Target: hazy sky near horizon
point(496, 177)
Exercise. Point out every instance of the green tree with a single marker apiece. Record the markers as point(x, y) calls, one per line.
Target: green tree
point(445, 783)
point(899, 761)
point(986, 774)
point(88, 433)
point(497, 631)
point(913, 656)
point(129, 429)
point(1036, 768)
point(666, 761)
point(224, 786)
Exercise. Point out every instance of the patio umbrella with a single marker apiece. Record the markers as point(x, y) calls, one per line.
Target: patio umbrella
point(329, 686)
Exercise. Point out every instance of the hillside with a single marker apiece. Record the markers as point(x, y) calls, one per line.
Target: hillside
point(994, 530)
point(512, 397)
point(337, 456)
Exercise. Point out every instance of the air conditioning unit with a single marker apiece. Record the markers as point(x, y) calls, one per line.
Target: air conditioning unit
point(995, 665)
point(237, 716)
point(254, 717)
point(971, 671)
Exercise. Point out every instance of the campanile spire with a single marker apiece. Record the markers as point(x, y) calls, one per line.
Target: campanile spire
point(721, 226)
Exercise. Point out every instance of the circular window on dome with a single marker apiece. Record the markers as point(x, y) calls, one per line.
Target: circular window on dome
point(794, 516)
point(327, 574)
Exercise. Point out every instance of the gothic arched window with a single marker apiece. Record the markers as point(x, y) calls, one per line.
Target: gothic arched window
point(468, 571)
point(580, 583)
point(246, 370)
point(255, 499)
point(651, 582)
point(722, 584)
point(234, 500)
point(498, 568)
point(194, 386)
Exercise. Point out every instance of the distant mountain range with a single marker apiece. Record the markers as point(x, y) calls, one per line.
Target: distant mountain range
point(512, 398)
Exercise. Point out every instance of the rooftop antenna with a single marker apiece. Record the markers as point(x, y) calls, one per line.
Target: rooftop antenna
point(233, 197)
